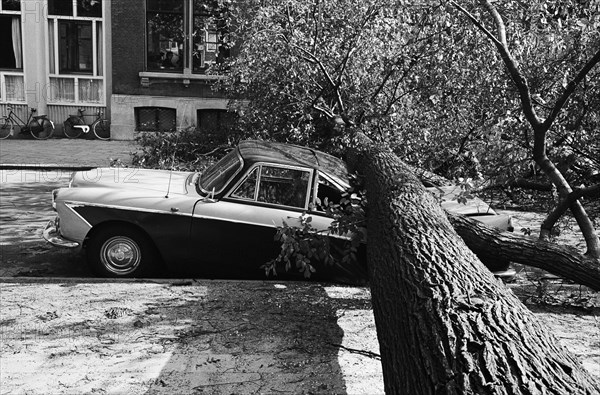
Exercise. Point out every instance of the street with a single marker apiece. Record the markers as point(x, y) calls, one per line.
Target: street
point(64, 331)
point(25, 207)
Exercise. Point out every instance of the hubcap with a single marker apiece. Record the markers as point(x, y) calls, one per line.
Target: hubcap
point(120, 255)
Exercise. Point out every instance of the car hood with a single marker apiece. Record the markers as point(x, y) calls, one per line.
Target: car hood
point(448, 196)
point(122, 178)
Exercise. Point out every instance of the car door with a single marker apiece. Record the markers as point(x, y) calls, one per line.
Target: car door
point(329, 191)
point(233, 237)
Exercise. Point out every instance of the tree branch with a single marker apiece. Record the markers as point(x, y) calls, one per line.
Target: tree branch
point(571, 86)
point(567, 203)
point(563, 261)
point(509, 61)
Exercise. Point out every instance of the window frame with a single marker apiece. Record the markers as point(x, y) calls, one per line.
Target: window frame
point(187, 63)
point(224, 119)
point(19, 97)
point(157, 110)
point(78, 79)
point(330, 180)
point(254, 201)
point(74, 10)
point(73, 27)
point(9, 10)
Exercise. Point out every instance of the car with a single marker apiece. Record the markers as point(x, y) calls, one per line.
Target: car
point(218, 224)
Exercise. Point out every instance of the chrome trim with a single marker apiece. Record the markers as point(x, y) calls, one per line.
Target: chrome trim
point(74, 204)
point(259, 165)
point(52, 236)
point(507, 274)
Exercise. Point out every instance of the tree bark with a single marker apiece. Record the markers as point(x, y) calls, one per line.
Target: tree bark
point(564, 261)
point(444, 324)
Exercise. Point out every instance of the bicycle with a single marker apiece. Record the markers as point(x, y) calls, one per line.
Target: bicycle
point(39, 126)
point(75, 126)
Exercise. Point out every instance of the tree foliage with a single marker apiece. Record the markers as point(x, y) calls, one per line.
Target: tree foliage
point(441, 83)
point(425, 80)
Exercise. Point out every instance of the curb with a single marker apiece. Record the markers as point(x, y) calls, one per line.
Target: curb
point(174, 282)
point(48, 166)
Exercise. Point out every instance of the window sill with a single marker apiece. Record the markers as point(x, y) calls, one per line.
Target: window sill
point(186, 78)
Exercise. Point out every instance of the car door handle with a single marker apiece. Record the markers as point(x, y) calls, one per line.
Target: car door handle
point(174, 209)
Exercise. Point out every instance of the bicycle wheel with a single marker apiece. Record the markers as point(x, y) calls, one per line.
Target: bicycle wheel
point(101, 129)
point(6, 126)
point(68, 127)
point(41, 128)
point(48, 127)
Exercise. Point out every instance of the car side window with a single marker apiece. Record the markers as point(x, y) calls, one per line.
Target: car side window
point(326, 192)
point(247, 189)
point(283, 186)
point(275, 185)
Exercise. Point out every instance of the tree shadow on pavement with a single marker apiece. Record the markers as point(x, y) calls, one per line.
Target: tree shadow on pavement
point(258, 338)
point(187, 337)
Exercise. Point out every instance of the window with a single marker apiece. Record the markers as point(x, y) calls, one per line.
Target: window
point(184, 35)
point(155, 119)
point(165, 35)
point(11, 44)
point(214, 120)
point(11, 5)
point(209, 35)
point(76, 47)
point(91, 8)
point(76, 51)
point(327, 193)
point(86, 8)
point(215, 178)
point(12, 87)
point(275, 185)
point(247, 189)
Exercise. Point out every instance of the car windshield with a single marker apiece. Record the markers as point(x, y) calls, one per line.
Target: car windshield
point(216, 177)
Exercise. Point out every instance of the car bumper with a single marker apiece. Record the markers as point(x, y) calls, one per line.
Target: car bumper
point(52, 235)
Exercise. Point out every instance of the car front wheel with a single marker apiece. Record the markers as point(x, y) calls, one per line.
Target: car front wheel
point(121, 252)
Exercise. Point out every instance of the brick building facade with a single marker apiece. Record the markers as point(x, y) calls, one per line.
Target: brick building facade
point(161, 51)
point(144, 63)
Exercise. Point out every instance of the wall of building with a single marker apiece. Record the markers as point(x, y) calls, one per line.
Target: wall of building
point(128, 45)
point(134, 86)
point(123, 111)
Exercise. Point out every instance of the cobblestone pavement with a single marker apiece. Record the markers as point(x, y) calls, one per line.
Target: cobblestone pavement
point(64, 153)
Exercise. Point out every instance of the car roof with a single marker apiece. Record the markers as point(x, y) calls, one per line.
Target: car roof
point(253, 151)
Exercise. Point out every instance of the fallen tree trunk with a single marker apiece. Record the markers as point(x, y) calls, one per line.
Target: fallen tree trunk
point(563, 261)
point(444, 324)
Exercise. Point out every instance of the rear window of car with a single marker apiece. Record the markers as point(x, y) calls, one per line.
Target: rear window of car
point(215, 178)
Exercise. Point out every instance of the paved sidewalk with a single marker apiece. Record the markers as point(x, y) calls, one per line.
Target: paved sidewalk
point(63, 153)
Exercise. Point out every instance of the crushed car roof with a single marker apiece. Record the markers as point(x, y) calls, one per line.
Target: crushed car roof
point(293, 155)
